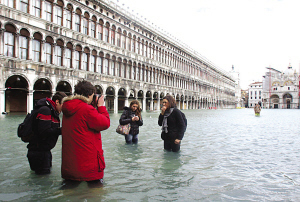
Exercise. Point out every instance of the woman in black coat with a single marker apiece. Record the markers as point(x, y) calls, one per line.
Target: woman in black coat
point(133, 116)
point(172, 123)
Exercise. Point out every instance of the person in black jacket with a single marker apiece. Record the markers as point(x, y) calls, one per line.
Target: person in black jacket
point(46, 129)
point(172, 124)
point(133, 116)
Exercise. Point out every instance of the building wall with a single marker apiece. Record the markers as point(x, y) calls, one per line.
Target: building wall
point(50, 47)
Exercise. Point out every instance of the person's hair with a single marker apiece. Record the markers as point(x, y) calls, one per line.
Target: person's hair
point(84, 88)
point(171, 100)
point(138, 110)
point(58, 96)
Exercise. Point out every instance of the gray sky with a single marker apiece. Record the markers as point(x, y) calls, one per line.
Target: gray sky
point(249, 34)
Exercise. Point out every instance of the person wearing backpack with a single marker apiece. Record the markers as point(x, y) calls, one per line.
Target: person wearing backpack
point(46, 128)
point(172, 124)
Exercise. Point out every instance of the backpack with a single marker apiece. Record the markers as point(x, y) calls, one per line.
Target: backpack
point(25, 129)
point(184, 119)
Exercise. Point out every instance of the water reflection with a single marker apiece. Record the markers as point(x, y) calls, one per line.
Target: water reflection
point(226, 155)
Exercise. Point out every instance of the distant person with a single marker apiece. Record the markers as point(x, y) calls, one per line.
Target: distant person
point(133, 116)
point(257, 109)
point(82, 154)
point(46, 129)
point(172, 124)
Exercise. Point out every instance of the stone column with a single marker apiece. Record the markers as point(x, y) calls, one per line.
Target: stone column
point(42, 51)
point(144, 103)
point(2, 100)
point(17, 45)
point(30, 101)
point(29, 56)
point(126, 102)
point(151, 104)
point(115, 104)
point(1, 41)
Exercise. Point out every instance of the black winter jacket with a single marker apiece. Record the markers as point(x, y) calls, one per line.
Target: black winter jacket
point(176, 126)
point(126, 118)
point(46, 127)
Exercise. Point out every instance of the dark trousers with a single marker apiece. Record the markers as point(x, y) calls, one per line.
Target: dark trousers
point(169, 145)
point(40, 161)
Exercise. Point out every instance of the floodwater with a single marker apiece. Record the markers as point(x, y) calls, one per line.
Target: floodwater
point(226, 155)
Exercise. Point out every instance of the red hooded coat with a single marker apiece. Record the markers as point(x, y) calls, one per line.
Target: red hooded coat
point(82, 154)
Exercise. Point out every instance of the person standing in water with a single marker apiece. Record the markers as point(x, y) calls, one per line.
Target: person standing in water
point(257, 109)
point(133, 116)
point(172, 124)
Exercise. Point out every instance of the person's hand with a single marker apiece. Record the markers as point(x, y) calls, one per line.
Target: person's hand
point(163, 109)
point(177, 141)
point(101, 101)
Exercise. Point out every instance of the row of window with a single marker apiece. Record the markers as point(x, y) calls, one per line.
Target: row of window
point(64, 17)
point(81, 59)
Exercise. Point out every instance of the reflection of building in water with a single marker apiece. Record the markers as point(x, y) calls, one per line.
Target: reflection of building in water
point(239, 102)
point(281, 89)
point(255, 93)
point(47, 45)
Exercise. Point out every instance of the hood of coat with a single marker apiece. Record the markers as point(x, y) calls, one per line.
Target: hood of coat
point(73, 103)
point(46, 102)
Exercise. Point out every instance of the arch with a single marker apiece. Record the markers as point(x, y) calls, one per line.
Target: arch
point(65, 87)
point(42, 88)
point(16, 94)
point(131, 94)
point(122, 92)
point(99, 89)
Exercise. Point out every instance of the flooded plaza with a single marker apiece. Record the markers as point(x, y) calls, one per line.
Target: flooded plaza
point(226, 155)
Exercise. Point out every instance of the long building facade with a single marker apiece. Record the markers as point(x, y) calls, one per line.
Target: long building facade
point(48, 45)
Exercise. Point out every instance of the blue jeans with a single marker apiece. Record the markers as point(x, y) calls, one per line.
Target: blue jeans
point(131, 139)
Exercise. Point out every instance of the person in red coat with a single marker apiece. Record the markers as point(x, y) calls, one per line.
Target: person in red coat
point(82, 154)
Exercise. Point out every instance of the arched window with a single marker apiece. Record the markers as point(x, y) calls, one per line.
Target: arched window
point(58, 13)
point(119, 38)
point(99, 64)
point(36, 47)
point(93, 27)
point(85, 59)
point(112, 67)
point(77, 57)
point(23, 44)
point(78, 20)
point(113, 33)
point(105, 68)
point(48, 50)
point(9, 40)
point(118, 69)
point(58, 53)
point(48, 11)
point(24, 6)
point(36, 8)
point(106, 33)
point(129, 42)
point(68, 12)
point(123, 40)
point(138, 46)
point(9, 3)
point(68, 55)
point(100, 30)
point(86, 23)
point(133, 44)
point(133, 72)
point(93, 61)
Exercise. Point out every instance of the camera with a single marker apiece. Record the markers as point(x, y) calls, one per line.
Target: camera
point(95, 100)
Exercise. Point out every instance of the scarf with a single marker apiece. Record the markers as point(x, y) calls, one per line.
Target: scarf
point(164, 126)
